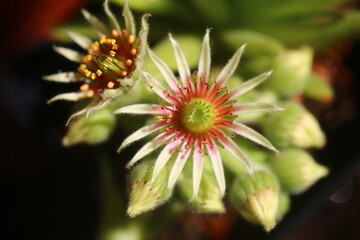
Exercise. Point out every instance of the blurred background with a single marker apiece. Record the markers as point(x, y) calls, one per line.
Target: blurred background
point(52, 192)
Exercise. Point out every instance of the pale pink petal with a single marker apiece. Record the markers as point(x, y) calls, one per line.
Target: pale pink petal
point(251, 134)
point(230, 67)
point(181, 61)
point(231, 146)
point(164, 70)
point(129, 19)
point(159, 89)
point(69, 54)
point(249, 85)
point(64, 77)
point(197, 167)
point(142, 109)
point(95, 22)
point(73, 96)
point(255, 107)
point(141, 133)
point(205, 58)
point(178, 165)
point(165, 155)
point(150, 147)
point(80, 39)
point(217, 166)
point(112, 19)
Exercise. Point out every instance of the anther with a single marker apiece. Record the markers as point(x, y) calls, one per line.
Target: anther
point(105, 66)
point(90, 94)
point(131, 39)
point(93, 76)
point(110, 85)
point(124, 33)
point(128, 62)
point(114, 33)
point(124, 73)
point(84, 87)
point(112, 53)
point(133, 51)
point(109, 60)
point(98, 72)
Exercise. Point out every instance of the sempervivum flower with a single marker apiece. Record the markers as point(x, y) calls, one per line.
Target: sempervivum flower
point(199, 114)
point(112, 63)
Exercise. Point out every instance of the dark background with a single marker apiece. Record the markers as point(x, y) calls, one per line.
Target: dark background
point(52, 192)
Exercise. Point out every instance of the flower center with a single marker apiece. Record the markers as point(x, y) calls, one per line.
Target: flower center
point(108, 60)
point(197, 115)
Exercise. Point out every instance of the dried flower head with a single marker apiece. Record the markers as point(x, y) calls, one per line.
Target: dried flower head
point(199, 113)
point(112, 63)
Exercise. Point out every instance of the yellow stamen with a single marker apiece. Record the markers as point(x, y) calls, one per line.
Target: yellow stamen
point(112, 53)
point(110, 85)
point(133, 51)
point(109, 60)
point(90, 94)
point(124, 73)
point(98, 72)
point(131, 39)
point(103, 38)
point(105, 66)
point(93, 76)
point(84, 87)
point(128, 62)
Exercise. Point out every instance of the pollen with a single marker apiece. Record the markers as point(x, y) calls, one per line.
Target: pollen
point(133, 51)
point(110, 85)
point(90, 94)
point(128, 62)
point(114, 33)
point(84, 87)
point(131, 39)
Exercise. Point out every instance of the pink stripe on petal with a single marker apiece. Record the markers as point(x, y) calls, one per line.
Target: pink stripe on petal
point(165, 155)
point(141, 133)
point(217, 165)
point(251, 134)
point(178, 165)
point(197, 167)
point(150, 147)
point(231, 146)
point(159, 89)
point(142, 109)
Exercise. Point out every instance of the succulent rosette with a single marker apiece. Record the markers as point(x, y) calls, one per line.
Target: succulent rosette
point(110, 65)
point(197, 114)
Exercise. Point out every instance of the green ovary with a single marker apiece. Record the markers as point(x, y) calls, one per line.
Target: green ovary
point(197, 115)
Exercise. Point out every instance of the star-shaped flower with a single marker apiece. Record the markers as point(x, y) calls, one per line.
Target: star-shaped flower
point(112, 63)
point(198, 115)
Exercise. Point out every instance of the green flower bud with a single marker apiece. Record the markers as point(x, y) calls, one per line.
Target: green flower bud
point(145, 194)
point(297, 170)
point(91, 129)
point(209, 198)
point(319, 89)
point(294, 127)
point(256, 197)
point(291, 70)
point(284, 205)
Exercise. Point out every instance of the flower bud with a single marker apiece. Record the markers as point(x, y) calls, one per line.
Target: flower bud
point(256, 197)
point(209, 198)
point(297, 170)
point(294, 127)
point(319, 89)
point(145, 194)
point(291, 70)
point(284, 205)
point(92, 129)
